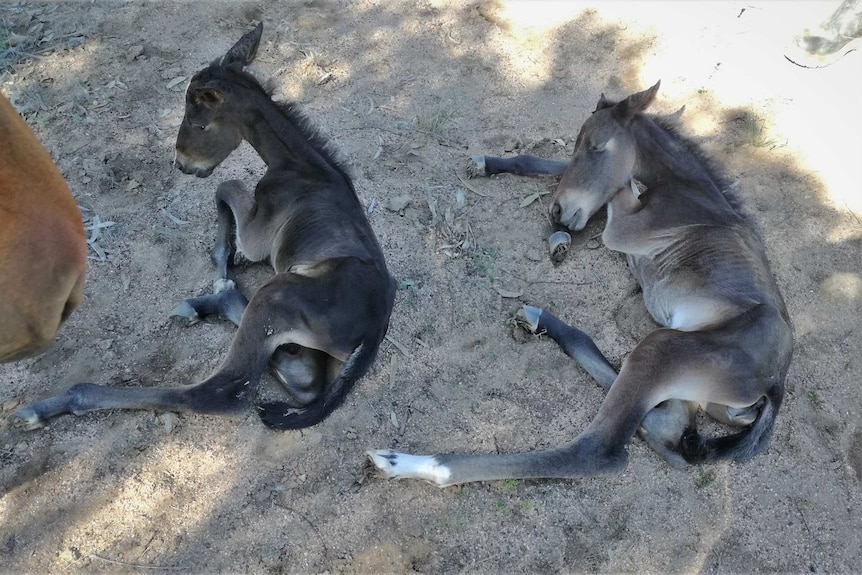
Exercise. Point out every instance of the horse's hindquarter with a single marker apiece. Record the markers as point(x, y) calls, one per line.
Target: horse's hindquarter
point(42, 242)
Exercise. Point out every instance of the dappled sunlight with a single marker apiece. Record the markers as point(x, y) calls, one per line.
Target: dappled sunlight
point(699, 67)
point(723, 475)
point(408, 92)
point(839, 290)
point(842, 286)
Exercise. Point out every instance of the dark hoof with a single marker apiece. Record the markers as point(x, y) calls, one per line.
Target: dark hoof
point(476, 167)
point(692, 447)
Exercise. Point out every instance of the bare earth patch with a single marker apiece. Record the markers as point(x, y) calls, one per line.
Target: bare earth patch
point(408, 91)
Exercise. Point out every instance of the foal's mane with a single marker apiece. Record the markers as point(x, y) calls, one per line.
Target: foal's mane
point(290, 110)
point(670, 127)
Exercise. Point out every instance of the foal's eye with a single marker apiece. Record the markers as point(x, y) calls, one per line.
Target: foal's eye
point(197, 126)
point(597, 148)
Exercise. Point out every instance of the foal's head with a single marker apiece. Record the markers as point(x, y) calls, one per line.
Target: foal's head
point(211, 128)
point(604, 158)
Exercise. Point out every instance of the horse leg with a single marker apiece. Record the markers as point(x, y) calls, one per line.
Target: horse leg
point(522, 165)
point(662, 427)
point(696, 367)
point(226, 391)
point(235, 207)
point(274, 331)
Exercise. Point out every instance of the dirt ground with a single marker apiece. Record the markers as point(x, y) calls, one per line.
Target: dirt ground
point(408, 90)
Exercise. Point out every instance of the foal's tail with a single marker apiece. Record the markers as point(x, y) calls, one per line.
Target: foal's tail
point(280, 415)
point(740, 446)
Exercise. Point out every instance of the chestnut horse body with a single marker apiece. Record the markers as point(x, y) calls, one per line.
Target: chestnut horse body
point(43, 248)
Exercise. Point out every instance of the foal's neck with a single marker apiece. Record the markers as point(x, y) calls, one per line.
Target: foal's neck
point(662, 155)
point(279, 140)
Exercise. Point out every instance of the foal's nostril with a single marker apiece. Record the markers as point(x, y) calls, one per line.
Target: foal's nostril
point(556, 212)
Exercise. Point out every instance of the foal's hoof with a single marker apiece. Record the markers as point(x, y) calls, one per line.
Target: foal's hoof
point(528, 318)
point(185, 310)
point(26, 419)
point(476, 167)
point(223, 284)
point(558, 246)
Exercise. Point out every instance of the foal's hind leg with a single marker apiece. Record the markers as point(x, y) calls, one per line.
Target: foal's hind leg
point(662, 427)
point(275, 321)
point(235, 207)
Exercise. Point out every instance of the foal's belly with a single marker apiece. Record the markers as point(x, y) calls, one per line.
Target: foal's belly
point(681, 301)
point(686, 311)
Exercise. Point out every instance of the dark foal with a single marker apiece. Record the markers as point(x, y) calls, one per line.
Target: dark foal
point(318, 323)
point(726, 340)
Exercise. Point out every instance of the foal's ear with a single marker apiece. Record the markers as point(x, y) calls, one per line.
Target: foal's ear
point(207, 97)
point(243, 52)
point(637, 103)
point(603, 103)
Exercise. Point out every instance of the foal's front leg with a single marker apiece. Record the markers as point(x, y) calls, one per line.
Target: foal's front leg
point(234, 206)
point(522, 165)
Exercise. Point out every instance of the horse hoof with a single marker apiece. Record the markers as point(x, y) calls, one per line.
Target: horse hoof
point(185, 310)
point(528, 318)
point(223, 284)
point(26, 419)
point(558, 246)
point(476, 167)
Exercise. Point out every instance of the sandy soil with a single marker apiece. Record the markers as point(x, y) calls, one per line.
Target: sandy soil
point(408, 91)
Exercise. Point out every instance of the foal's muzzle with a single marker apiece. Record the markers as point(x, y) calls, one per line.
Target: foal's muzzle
point(570, 222)
point(199, 172)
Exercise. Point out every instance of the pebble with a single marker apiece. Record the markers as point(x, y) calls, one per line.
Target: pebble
point(134, 52)
point(398, 203)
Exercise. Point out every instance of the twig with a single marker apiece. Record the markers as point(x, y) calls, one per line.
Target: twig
point(469, 187)
point(310, 524)
point(135, 565)
point(558, 282)
point(818, 546)
point(399, 345)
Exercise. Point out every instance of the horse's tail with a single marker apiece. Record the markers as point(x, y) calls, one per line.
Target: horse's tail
point(279, 415)
point(739, 446)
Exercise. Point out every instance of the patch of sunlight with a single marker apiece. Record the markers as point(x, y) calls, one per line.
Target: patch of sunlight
point(815, 121)
point(713, 533)
point(841, 287)
point(149, 493)
point(542, 15)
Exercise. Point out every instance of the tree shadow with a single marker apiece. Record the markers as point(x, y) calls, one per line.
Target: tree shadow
point(410, 94)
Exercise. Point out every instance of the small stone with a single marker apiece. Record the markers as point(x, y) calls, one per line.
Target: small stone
point(134, 52)
point(398, 203)
point(169, 421)
point(534, 255)
point(313, 437)
point(511, 145)
point(169, 73)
